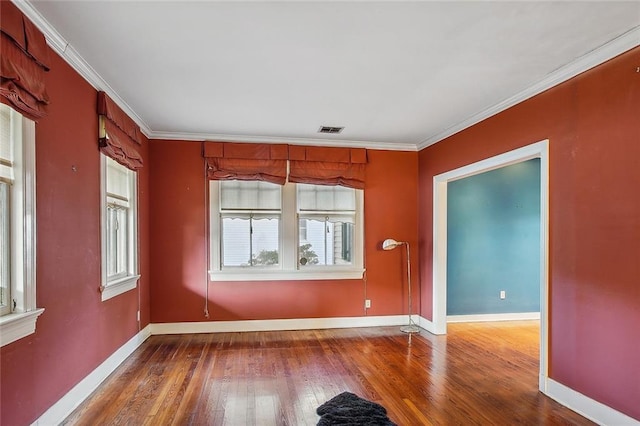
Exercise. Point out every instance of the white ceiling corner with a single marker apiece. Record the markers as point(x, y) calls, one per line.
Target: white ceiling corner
point(399, 75)
point(65, 50)
point(615, 47)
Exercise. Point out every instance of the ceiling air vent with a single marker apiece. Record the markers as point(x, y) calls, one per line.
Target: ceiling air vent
point(330, 129)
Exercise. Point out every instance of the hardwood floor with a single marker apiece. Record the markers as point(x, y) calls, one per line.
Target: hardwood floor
point(481, 373)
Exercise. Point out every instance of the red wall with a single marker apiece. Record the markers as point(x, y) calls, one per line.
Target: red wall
point(591, 122)
point(593, 126)
point(77, 331)
point(178, 253)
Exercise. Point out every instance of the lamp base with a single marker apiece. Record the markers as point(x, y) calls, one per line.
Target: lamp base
point(410, 329)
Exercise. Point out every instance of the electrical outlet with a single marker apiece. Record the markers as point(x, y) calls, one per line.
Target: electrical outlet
point(138, 316)
point(503, 294)
point(367, 303)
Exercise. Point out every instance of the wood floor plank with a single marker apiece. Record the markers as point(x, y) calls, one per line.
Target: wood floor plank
point(480, 373)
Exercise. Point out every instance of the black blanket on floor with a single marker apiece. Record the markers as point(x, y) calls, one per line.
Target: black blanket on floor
point(348, 409)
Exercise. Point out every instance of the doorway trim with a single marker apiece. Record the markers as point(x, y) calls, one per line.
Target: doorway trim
point(440, 185)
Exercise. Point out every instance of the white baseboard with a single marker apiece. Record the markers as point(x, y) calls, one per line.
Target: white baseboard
point(587, 407)
point(65, 405)
point(276, 325)
point(427, 325)
point(518, 316)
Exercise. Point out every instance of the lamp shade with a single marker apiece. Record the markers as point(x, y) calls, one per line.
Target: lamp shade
point(390, 244)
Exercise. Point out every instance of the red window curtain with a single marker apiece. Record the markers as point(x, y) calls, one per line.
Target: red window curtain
point(328, 166)
point(246, 161)
point(24, 59)
point(119, 135)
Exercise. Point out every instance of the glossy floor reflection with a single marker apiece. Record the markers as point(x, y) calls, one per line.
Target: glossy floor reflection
point(482, 373)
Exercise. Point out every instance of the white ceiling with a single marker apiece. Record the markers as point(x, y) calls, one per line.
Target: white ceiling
point(396, 75)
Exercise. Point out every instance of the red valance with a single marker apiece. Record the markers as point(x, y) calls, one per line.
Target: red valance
point(119, 134)
point(246, 161)
point(328, 166)
point(24, 60)
point(268, 162)
point(114, 114)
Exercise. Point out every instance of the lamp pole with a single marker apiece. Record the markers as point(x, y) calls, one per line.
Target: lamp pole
point(411, 327)
point(390, 244)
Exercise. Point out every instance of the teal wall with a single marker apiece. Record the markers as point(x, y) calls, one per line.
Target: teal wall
point(493, 241)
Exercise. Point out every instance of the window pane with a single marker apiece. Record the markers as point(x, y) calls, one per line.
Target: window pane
point(322, 242)
point(250, 241)
point(111, 246)
point(236, 242)
point(121, 236)
point(117, 253)
point(265, 241)
point(5, 250)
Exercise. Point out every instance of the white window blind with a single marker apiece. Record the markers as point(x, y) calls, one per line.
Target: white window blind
point(326, 198)
point(118, 184)
point(238, 195)
point(7, 136)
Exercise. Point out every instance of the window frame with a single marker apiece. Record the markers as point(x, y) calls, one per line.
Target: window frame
point(114, 286)
point(21, 321)
point(251, 213)
point(288, 268)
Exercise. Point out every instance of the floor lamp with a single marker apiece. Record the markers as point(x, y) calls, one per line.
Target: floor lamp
point(390, 244)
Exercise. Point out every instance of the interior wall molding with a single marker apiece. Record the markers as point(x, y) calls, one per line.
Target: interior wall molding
point(613, 48)
point(439, 261)
point(349, 143)
point(67, 52)
point(61, 46)
point(426, 324)
point(587, 407)
point(276, 324)
point(515, 316)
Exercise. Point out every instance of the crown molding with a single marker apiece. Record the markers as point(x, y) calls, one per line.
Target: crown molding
point(607, 51)
point(198, 137)
point(62, 47)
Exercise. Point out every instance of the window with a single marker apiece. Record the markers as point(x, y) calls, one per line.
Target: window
point(5, 250)
point(250, 223)
point(119, 229)
point(18, 312)
point(264, 231)
point(8, 121)
point(326, 217)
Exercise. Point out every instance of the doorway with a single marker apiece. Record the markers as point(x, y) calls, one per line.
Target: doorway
point(440, 184)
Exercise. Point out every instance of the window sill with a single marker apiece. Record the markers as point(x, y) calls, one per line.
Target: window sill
point(280, 275)
point(16, 326)
point(120, 286)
